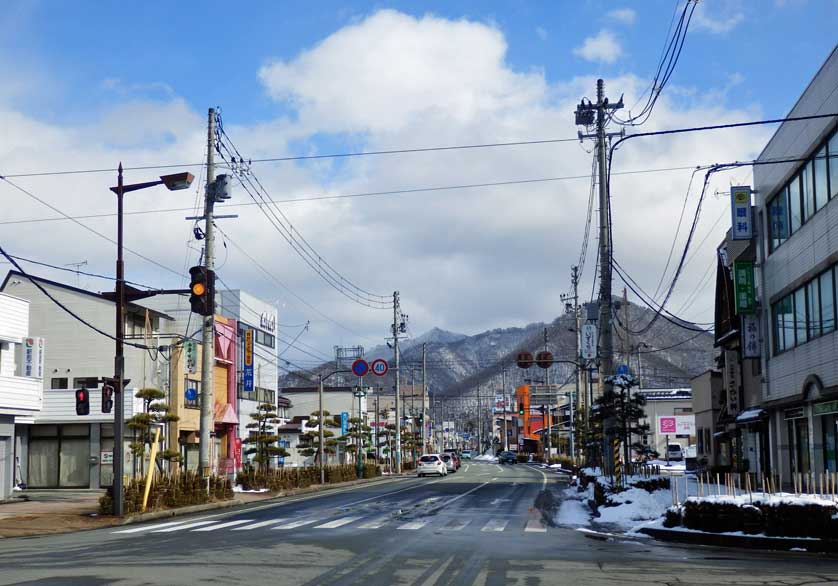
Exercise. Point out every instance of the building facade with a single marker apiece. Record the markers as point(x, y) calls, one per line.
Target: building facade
point(797, 219)
point(21, 387)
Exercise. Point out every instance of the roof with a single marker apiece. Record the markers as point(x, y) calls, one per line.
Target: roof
point(294, 390)
point(78, 290)
point(290, 428)
point(751, 415)
point(666, 394)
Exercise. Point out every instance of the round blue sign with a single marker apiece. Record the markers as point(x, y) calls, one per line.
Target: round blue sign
point(623, 369)
point(360, 367)
point(191, 394)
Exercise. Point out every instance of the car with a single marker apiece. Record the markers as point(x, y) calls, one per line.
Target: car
point(674, 452)
point(507, 458)
point(431, 464)
point(453, 454)
point(449, 461)
point(466, 454)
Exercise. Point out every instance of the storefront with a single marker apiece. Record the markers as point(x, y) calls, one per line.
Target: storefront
point(797, 436)
point(826, 414)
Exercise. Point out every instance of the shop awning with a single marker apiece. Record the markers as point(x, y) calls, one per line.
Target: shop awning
point(721, 434)
point(752, 415)
point(225, 414)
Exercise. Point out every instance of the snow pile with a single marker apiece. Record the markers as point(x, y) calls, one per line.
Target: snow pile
point(486, 458)
point(574, 513)
point(636, 504)
point(758, 498)
point(238, 488)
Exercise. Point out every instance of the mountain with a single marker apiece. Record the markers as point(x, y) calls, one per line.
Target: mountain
point(666, 356)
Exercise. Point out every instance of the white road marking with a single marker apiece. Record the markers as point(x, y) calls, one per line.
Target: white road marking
point(495, 525)
point(535, 526)
point(413, 525)
point(498, 467)
point(456, 525)
point(224, 525)
point(337, 523)
point(467, 467)
point(149, 527)
point(297, 523)
point(499, 501)
point(259, 524)
point(182, 526)
point(375, 523)
point(543, 475)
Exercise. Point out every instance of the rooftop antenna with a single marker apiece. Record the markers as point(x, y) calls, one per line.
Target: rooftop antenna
point(77, 266)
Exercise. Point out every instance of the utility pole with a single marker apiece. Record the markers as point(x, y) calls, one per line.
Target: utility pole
point(396, 360)
point(424, 391)
point(585, 114)
point(547, 417)
point(321, 447)
point(207, 334)
point(479, 422)
point(505, 435)
point(119, 363)
point(574, 277)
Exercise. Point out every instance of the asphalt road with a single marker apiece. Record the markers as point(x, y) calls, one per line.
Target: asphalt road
point(485, 525)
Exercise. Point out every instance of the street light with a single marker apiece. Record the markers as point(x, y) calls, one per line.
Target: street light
point(173, 182)
point(360, 393)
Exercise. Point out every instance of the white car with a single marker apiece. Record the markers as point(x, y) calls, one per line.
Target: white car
point(431, 464)
point(449, 462)
point(674, 452)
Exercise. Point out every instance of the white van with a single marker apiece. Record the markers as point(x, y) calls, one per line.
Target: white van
point(674, 452)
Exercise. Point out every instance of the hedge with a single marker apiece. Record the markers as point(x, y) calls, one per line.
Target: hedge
point(277, 479)
point(168, 492)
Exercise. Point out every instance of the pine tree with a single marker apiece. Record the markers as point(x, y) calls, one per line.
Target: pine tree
point(622, 410)
point(310, 441)
point(263, 444)
point(155, 411)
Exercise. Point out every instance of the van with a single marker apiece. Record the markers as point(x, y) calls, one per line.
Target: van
point(674, 452)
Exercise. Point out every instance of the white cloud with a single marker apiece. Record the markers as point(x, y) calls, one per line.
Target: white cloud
point(623, 15)
point(728, 19)
point(602, 47)
point(464, 259)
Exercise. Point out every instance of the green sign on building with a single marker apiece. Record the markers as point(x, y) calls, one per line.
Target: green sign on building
point(743, 287)
point(826, 408)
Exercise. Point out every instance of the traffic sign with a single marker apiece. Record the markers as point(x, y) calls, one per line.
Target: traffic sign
point(379, 367)
point(360, 367)
point(191, 393)
point(622, 369)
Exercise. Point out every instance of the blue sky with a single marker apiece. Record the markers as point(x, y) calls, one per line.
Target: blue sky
point(87, 84)
point(210, 52)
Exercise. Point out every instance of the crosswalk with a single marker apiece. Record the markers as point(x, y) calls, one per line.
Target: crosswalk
point(317, 523)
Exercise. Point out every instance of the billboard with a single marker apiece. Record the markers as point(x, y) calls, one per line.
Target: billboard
point(31, 358)
point(740, 210)
point(499, 405)
point(247, 371)
point(588, 341)
point(676, 424)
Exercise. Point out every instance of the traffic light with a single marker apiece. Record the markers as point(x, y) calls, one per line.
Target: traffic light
point(107, 398)
point(82, 402)
point(202, 286)
point(520, 410)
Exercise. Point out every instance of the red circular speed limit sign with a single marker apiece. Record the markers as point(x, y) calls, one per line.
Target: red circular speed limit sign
point(379, 367)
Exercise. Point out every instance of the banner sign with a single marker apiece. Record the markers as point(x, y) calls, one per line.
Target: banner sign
point(740, 209)
point(31, 361)
point(344, 423)
point(500, 404)
point(676, 425)
point(750, 336)
point(247, 370)
point(743, 287)
point(588, 342)
point(190, 349)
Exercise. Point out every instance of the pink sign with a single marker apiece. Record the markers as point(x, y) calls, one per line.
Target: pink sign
point(667, 425)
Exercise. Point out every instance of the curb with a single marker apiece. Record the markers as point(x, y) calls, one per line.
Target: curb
point(235, 502)
point(743, 541)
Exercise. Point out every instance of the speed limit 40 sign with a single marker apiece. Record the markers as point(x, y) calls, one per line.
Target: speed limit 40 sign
point(379, 367)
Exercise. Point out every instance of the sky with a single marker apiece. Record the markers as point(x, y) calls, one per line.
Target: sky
point(89, 84)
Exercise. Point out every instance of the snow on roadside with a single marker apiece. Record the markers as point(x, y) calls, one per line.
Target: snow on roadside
point(636, 505)
point(573, 513)
point(238, 488)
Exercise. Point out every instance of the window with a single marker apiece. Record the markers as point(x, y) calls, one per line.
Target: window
point(807, 191)
point(813, 309)
point(820, 179)
point(265, 339)
point(827, 301)
point(783, 325)
point(87, 382)
point(778, 214)
point(800, 316)
point(58, 383)
point(196, 402)
point(794, 204)
point(832, 151)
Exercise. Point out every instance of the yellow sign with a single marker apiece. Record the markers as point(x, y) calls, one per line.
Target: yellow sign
point(248, 347)
point(742, 196)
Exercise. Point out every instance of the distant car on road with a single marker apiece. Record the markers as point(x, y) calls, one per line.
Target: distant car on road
point(454, 456)
point(431, 464)
point(449, 461)
point(674, 452)
point(507, 458)
point(466, 454)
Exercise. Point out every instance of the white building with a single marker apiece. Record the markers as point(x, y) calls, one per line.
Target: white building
point(62, 449)
point(797, 254)
point(21, 374)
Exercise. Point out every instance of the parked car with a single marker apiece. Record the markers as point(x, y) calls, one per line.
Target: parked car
point(466, 454)
point(449, 461)
point(431, 464)
point(507, 458)
point(674, 452)
point(453, 454)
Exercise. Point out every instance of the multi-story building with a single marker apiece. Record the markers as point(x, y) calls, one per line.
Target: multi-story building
point(707, 401)
point(797, 253)
point(21, 376)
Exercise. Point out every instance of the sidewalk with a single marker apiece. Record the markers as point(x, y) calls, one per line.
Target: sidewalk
point(42, 512)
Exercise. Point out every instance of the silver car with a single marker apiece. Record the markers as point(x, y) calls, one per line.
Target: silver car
point(431, 464)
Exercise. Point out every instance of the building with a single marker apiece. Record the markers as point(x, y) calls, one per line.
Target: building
point(707, 402)
point(663, 403)
point(21, 386)
point(797, 218)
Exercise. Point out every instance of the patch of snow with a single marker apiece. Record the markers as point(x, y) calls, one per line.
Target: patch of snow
point(573, 513)
point(798, 549)
point(238, 488)
point(636, 505)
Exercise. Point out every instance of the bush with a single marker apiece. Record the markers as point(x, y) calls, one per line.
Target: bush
point(652, 484)
point(777, 519)
point(169, 491)
point(279, 479)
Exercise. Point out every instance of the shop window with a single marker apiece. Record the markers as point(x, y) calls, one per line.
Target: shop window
point(58, 383)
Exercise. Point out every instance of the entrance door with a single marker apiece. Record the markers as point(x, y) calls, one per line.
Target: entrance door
point(799, 445)
point(59, 456)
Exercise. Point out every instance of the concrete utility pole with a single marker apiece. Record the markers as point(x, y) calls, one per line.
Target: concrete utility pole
point(321, 447)
point(207, 333)
point(424, 391)
point(505, 434)
point(396, 360)
point(547, 418)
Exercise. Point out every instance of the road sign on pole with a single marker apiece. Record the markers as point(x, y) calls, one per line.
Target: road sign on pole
point(379, 367)
point(360, 367)
point(623, 369)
